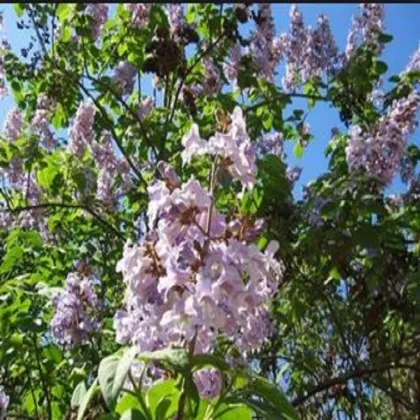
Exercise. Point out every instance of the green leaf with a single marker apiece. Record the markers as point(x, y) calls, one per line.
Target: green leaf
point(202, 360)
point(47, 175)
point(64, 11)
point(113, 371)
point(66, 34)
point(395, 78)
point(19, 10)
point(276, 187)
point(93, 390)
point(59, 117)
point(161, 392)
point(166, 408)
point(381, 67)
point(298, 150)
point(133, 414)
point(267, 121)
point(233, 412)
point(127, 401)
point(123, 368)
point(13, 257)
point(273, 397)
point(192, 395)
point(78, 395)
point(174, 358)
point(385, 38)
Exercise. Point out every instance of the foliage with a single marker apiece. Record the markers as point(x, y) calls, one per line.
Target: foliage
point(110, 101)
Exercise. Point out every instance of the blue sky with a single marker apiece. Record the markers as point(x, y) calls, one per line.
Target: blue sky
point(402, 21)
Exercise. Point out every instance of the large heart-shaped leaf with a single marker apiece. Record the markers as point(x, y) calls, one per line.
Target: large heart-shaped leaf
point(112, 374)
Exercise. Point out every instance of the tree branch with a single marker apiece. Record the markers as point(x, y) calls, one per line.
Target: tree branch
point(354, 374)
point(105, 116)
point(283, 96)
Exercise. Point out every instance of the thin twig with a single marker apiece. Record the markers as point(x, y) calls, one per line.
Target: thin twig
point(282, 97)
point(41, 375)
point(356, 373)
point(114, 134)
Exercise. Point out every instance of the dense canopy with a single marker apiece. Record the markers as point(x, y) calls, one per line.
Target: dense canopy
point(155, 263)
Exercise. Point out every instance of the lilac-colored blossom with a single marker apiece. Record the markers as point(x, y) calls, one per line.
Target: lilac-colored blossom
point(309, 52)
point(168, 173)
point(124, 75)
point(293, 175)
point(81, 130)
point(109, 168)
point(208, 382)
point(367, 25)
point(271, 143)
point(139, 13)
point(231, 68)
point(379, 150)
point(212, 81)
point(99, 13)
point(4, 403)
point(41, 121)
point(185, 278)
point(13, 125)
point(414, 63)
point(146, 107)
point(175, 13)
point(74, 318)
point(193, 144)
point(265, 50)
point(4, 48)
point(234, 147)
point(315, 214)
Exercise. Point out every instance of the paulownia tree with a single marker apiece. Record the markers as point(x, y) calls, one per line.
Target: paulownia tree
point(154, 261)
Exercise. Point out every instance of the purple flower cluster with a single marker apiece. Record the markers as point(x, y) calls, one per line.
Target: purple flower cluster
point(175, 13)
point(212, 81)
point(266, 50)
point(124, 75)
point(271, 143)
point(12, 130)
point(366, 28)
point(183, 282)
point(196, 275)
point(139, 13)
point(380, 150)
point(414, 63)
point(41, 121)
point(4, 403)
point(3, 89)
point(234, 148)
point(231, 68)
point(3, 50)
point(34, 218)
point(109, 167)
point(309, 52)
point(16, 177)
point(293, 174)
point(146, 107)
point(99, 13)
point(74, 319)
point(81, 130)
point(208, 382)
point(13, 125)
